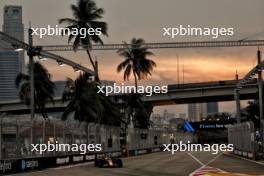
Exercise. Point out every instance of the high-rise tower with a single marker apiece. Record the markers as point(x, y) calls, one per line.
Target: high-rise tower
point(11, 62)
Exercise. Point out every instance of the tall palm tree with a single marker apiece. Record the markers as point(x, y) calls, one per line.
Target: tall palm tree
point(85, 15)
point(44, 88)
point(86, 104)
point(136, 61)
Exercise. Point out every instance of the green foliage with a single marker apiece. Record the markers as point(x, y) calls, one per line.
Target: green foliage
point(223, 117)
point(44, 88)
point(85, 15)
point(136, 61)
point(86, 104)
point(252, 112)
point(138, 110)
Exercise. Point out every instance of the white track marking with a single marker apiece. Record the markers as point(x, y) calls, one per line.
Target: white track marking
point(202, 165)
point(213, 159)
point(196, 159)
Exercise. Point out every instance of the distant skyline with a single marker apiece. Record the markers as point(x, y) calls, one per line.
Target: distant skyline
point(205, 64)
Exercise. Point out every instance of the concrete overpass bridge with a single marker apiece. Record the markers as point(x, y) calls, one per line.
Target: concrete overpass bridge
point(217, 91)
point(177, 94)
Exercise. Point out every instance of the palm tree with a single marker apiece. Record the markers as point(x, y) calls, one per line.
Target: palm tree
point(85, 15)
point(138, 110)
point(44, 88)
point(86, 104)
point(136, 61)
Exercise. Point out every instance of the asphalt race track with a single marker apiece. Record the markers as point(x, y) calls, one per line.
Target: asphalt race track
point(163, 164)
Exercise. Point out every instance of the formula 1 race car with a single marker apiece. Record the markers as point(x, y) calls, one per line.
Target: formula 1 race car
point(108, 161)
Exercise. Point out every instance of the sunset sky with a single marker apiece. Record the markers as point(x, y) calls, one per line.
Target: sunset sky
point(145, 19)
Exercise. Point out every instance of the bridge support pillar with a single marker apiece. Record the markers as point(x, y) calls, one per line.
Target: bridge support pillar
point(238, 107)
point(237, 98)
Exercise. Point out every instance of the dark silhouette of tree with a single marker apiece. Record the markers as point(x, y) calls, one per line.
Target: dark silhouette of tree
point(252, 113)
point(86, 104)
point(44, 88)
point(221, 116)
point(136, 61)
point(138, 111)
point(85, 16)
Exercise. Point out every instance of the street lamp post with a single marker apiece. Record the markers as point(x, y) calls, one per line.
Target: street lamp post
point(260, 90)
point(260, 87)
point(31, 72)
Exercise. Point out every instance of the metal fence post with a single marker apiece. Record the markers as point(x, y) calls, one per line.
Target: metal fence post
point(1, 121)
point(31, 134)
point(17, 138)
point(63, 133)
point(54, 134)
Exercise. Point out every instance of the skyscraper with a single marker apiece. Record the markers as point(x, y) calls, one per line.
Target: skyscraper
point(9, 68)
point(14, 27)
point(13, 22)
point(212, 108)
point(198, 111)
point(11, 62)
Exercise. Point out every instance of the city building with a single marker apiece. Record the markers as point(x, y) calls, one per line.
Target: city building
point(212, 108)
point(199, 111)
point(11, 62)
point(13, 26)
point(182, 115)
point(9, 68)
point(60, 87)
point(162, 120)
point(193, 112)
point(176, 124)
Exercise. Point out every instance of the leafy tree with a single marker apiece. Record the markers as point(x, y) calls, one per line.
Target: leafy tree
point(44, 88)
point(86, 104)
point(83, 100)
point(252, 112)
point(138, 111)
point(136, 63)
point(86, 15)
point(223, 116)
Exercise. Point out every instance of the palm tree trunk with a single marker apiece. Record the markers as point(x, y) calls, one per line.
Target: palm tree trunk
point(136, 83)
point(93, 65)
